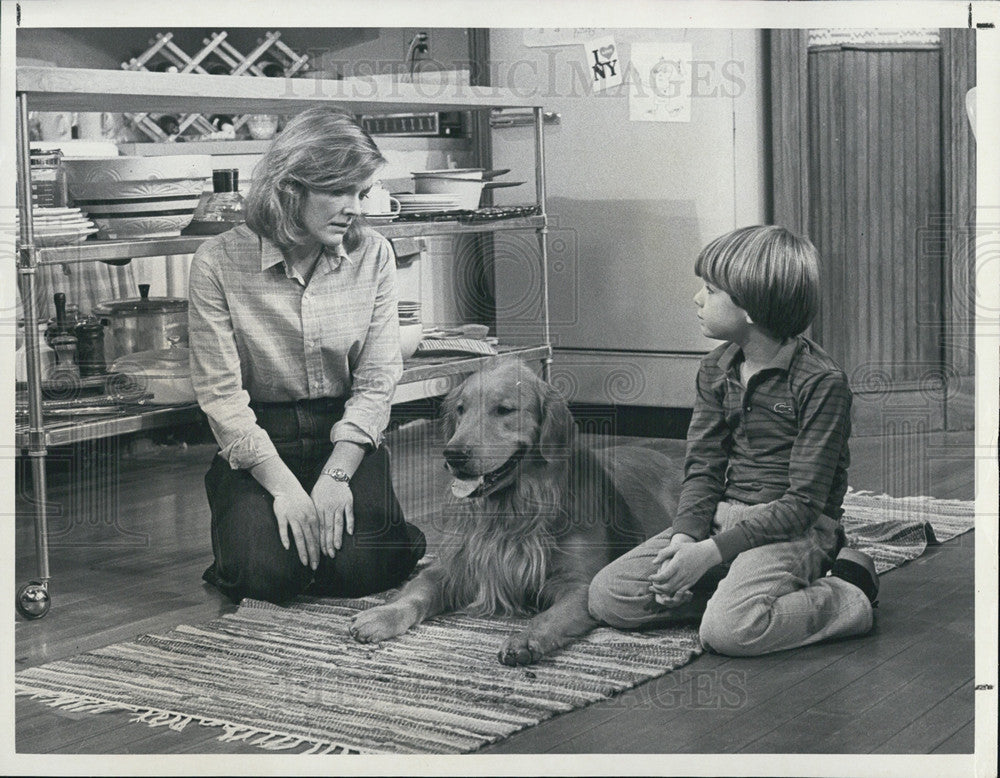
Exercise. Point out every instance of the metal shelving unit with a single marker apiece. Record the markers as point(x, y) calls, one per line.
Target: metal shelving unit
point(94, 250)
point(66, 431)
point(79, 89)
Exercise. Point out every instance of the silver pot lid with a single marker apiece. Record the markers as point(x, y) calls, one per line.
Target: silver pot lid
point(142, 305)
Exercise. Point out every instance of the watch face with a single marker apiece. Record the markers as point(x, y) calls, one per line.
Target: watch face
point(338, 475)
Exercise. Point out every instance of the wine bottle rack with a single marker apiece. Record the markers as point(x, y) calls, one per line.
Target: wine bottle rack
point(271, 57)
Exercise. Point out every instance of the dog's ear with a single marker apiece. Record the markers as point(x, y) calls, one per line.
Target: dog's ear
point(449, 417)
point(557, 429)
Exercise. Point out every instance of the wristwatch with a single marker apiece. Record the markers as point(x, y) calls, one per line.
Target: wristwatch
point(337, 474)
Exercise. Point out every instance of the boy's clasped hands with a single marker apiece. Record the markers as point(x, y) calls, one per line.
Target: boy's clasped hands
point(680, 565)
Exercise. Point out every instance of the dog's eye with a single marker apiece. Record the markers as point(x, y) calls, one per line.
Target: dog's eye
point(460, 409)
point(505, 410)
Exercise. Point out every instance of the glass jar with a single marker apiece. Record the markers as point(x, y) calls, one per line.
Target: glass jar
point(222, 209)
point(48, 179)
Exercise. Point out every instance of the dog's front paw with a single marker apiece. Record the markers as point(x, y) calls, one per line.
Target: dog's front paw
point(523, 648)
point(377, 624)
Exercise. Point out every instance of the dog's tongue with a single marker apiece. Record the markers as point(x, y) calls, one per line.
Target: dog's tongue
point(463, 487)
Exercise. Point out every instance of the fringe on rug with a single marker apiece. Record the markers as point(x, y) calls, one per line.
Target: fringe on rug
point(963, 505)
point(72, 702)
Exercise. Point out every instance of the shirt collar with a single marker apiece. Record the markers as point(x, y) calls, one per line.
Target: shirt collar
point(271, 255)
point(782, 360)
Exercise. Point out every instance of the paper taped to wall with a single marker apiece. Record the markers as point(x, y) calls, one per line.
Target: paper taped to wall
point(660, 82)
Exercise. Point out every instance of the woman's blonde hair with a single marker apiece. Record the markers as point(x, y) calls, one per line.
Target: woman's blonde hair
point(770, 273)
point(322, 149)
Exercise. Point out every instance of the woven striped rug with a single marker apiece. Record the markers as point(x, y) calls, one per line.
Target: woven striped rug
point(894, 530)
point(290, 678)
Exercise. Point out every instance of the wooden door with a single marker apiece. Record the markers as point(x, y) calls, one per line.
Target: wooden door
point(875, 207)
point(873, 159)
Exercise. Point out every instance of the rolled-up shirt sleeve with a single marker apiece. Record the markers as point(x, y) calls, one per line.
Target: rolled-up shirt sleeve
point(215, 368)
point(379, 363)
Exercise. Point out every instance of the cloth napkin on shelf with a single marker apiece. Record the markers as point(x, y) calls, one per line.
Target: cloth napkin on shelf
point(446, 347)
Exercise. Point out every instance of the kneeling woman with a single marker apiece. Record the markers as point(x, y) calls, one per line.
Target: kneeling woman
point(295, 357)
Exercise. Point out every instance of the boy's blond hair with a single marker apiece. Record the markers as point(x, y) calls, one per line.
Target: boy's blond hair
point(769, 272)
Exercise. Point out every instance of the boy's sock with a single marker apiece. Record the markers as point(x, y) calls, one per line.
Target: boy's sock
point(857, 568)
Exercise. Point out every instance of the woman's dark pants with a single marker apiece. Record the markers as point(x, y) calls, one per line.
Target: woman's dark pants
point(249, 558)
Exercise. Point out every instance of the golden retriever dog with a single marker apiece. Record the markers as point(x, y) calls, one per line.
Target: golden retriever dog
point(533, 515)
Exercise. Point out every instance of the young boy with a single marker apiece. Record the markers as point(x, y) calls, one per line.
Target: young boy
point(765, 471)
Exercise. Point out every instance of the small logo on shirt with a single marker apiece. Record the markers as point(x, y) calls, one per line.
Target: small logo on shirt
point(784, 409)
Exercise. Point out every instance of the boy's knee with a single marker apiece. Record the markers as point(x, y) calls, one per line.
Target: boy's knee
point(605, 599)
point(723, 634)
point(363, 572)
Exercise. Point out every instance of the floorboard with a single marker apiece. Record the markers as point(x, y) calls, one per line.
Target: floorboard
point(899, 694)
point(132, 565)
point(961, 742)
point(936, 726)
point(42, 730)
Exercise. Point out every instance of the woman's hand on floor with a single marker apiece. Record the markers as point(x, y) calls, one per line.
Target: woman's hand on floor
point(296, 513)
point(335, 510)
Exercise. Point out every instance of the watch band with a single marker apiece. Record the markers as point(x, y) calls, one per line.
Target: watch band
point(337, 474)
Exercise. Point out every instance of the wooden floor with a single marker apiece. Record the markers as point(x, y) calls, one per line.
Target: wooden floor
point(127, 559)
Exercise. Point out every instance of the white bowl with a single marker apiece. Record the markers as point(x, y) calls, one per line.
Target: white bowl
point(410, 335)
point(467, 190)
point(82, 171)
point(134, 227)
point(138, 197)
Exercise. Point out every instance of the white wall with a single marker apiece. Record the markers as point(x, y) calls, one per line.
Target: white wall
point(631, 204)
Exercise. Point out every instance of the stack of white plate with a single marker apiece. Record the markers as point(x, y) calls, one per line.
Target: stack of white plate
point(409, 311)
point(60, 226)
point(419, 203)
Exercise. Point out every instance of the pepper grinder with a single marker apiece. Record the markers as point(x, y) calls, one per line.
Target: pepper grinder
point(62, 340)
point(90, 347)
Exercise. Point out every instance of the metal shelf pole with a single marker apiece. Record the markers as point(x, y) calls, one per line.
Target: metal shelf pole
point(33, 600)
point(543, 234)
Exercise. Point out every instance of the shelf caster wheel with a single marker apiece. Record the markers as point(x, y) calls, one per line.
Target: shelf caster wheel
point(33, 600)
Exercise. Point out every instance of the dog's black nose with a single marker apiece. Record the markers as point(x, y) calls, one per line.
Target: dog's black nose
point(457, 457)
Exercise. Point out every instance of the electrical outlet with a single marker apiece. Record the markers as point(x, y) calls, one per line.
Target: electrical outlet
point(419, 47)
